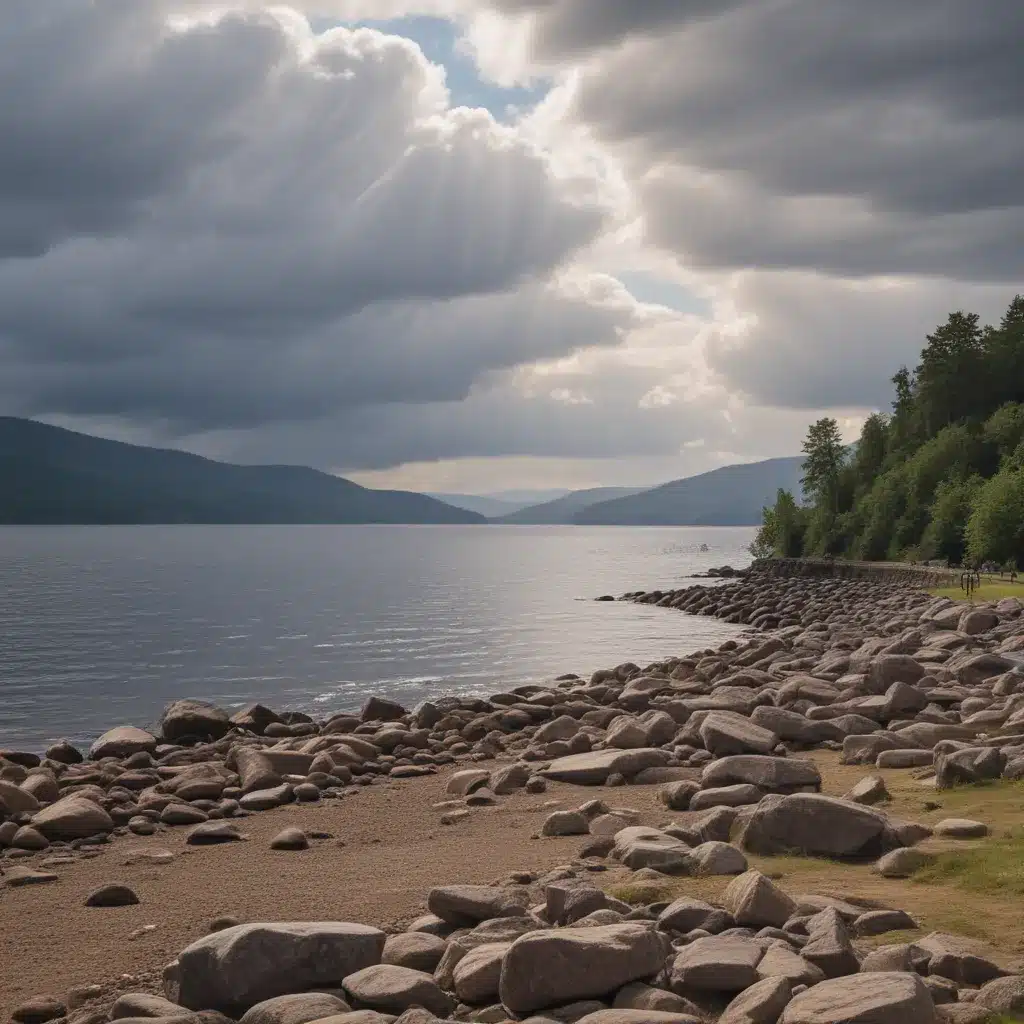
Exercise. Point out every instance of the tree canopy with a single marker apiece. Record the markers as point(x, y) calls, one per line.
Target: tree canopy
point(940, 476)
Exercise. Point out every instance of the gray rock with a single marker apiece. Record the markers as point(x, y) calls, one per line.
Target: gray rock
point(466, 781)
point(781, 961)
point(299, 1008)
point(754, 900)
point(594, 768)
point(638, 996)
point(233, 969)
point(676, 796)
point(210, 833)
point(637, 1017)
point(762, 1003)
point(828, 946)
point(720, 963)
point(144, 1004)
point(112, 895)
point(510, 778)
point(551, 968)
point(390, 989)
point(715, 858)
point(726, 796)
point(869, 791)
point(265, 799)
point(290, 839)
point(1004, 996)
point(187, 718)
point(72, 817)
point(878, 922)
point(477, 975)
point(685, 914)
point(725, 733)
point(961, 828)
point(462, 905)
point(874, 998)
point(255, 770)
point(565, 823)
point(641, 847)
point(771, 774)
point(418, 950)
point(901, 862)
point(123, 741)
point(812, 824)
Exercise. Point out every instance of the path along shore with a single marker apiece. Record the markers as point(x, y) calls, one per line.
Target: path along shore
point(693, 772)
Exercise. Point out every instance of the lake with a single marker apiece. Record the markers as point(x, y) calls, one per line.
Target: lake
point(103, 626)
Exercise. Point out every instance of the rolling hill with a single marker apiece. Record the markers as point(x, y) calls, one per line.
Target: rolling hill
point(49, 475)
point(730, 496)
point(562, 510)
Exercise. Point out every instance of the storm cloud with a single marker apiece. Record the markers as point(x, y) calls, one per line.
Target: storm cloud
point(224, 229)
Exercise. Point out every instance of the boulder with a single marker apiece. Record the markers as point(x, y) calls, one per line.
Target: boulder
point(812, 824)
point(255, 718)
point(828, 946)
point(421, 951)
point(565, 823)
point(112, 895)
point(463, 905)
point(715, 858)
point(188, 718)
point(123, 741)
point(143, 1004)
point(255, 769)
point(762, 1003)
point(755, 901)
point(870, 790)
point(72, 817)
point(551, 968)
point(638, 996)
point(875, 998)
point(961, 828)
point(676, 796)
point(1004, 996)
point(465, 782)
point(15, 800)
point(685, 914)
point(901, 862)
point(378, 709)
point(510, 778)
point(642, 847)
point(233, 969)
point(725, 732)
point(594, 768)
point(781, 961)
point(637, 1017)
point(719, 963)
point(390, 989)
point(299, 1008)
point(478, 974)
point(771, 774)
point(739, 795)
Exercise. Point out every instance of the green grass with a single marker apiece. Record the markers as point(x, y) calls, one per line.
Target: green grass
point(642, 893)
point(994, 867)
point(991, 589)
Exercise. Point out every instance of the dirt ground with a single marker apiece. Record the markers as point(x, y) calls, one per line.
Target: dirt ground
point(388, 850)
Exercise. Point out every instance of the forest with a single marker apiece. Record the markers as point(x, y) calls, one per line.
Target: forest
point(941, 476)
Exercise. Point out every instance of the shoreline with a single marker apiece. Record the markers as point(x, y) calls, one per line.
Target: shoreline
point(836, 666)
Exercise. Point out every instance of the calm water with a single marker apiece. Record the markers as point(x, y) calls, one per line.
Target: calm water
point(104, 626)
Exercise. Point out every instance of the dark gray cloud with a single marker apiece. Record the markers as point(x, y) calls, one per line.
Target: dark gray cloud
point(879, 137)
point(233, 223)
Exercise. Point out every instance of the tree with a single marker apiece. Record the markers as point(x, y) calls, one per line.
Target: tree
point(871, 452)
point(782, 529)
point(823, 458)
point(995, 531)
point(1004, 355)
point(950, 382)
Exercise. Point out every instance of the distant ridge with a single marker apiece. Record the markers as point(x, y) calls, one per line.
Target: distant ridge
point(562, 510)
point(51, 476)
point(730, 496)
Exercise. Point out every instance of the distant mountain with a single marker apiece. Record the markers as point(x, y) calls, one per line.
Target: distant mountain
point(730, 496)
point(483, 504)
point(523, 497)
point(563, 510)
point(53, 476)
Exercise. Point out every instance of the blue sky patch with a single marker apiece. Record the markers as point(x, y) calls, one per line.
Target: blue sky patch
point(438, 39)
point(652, 288)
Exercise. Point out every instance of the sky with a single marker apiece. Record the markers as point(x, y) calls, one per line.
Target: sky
point(474, 245)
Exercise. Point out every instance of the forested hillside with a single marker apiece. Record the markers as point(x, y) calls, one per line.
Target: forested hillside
point(941, 476)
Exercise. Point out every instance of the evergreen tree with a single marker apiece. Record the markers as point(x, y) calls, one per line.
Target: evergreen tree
point(823, 459)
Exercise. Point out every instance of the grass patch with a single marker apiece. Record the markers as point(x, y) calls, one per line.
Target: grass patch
point(994, 867)
point(642, 893)
point(991, 589)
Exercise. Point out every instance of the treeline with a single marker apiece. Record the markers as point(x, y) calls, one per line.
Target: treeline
point(940, 477)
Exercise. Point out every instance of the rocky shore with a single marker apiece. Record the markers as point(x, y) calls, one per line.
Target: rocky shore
point(872, 669)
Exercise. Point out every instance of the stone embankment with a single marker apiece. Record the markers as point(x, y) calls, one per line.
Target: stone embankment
point(870, 666)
